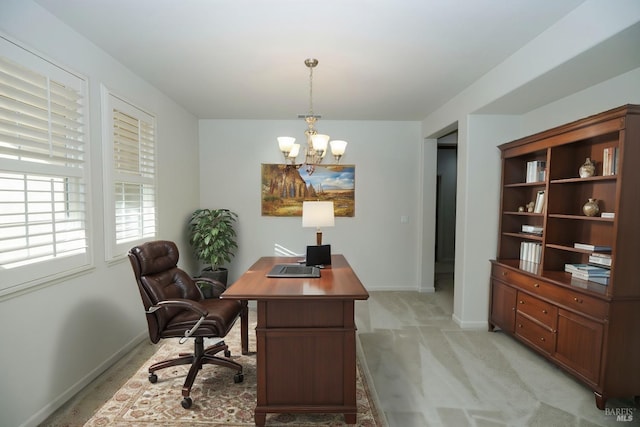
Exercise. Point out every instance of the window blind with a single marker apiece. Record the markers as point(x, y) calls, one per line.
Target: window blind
point(43, 201)
point(132, 174)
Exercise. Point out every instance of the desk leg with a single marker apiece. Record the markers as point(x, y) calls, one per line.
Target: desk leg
point(350, 418)
point(244, 327)
point(260, 418)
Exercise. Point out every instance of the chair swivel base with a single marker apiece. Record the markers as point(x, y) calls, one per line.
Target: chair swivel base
point(201, 356)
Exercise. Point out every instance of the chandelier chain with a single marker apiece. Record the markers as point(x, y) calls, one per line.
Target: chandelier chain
point(311, 91)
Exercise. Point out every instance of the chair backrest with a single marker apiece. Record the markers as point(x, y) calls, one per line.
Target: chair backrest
point(159, 278)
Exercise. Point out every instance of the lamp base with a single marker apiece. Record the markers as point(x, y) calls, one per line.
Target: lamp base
point(319, 238)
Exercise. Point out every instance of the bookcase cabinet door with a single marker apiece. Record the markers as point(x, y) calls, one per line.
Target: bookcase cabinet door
point(579, 345)
point(503, 306)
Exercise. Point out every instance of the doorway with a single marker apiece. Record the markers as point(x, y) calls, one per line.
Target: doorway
point(446, 185)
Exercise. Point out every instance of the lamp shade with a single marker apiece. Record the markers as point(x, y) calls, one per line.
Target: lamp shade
point(295, 149)
point(338, 147)
point(320, 142)
point(286, 143)
point(317, 214)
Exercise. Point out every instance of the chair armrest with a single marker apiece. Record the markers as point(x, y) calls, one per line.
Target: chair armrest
point(217, 286)
point(187, 304)
point(181, 303)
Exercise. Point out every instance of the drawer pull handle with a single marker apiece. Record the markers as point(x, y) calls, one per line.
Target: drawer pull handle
point(544, 311)
point(504, 273)
point(521, 302)
point(578, 300)
point(519, 325)
point(542, 339)
point(535, 285)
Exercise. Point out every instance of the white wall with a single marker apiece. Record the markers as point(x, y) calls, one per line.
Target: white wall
point(59, 337)
point(382, 250)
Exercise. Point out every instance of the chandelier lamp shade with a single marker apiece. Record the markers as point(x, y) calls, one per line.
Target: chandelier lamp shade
point(317, 143)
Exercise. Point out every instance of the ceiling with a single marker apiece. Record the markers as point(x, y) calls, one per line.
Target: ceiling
point(244, 59)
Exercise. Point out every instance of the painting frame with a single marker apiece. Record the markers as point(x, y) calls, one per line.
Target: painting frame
point(284, 187)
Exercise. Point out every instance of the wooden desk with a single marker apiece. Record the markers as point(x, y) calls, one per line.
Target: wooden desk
point(305, 334)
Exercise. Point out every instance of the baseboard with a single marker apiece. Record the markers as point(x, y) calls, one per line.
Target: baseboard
point(37, 418)
point(480, 324)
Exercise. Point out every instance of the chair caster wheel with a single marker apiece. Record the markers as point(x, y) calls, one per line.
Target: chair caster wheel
point(238, 378)
point(227, 353)
point(186, 402)
point(153, 378)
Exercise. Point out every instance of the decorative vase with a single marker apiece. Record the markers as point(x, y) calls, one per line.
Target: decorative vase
point(587, 169)
point(591, 208)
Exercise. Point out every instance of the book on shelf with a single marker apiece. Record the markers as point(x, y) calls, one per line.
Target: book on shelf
point(586, 270)
point(539, 206)
point(531, 267)
point(607, 215)
point(609, 161)
point(600, 280)
point(592, 248)
point(536, 171)
point(530, 252)
point(531, 229)
point(600, 259)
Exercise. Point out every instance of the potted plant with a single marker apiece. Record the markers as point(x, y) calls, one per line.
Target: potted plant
point(213, 239)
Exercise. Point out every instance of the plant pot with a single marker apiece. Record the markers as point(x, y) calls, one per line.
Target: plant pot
point(220, 274)
point(208, 291)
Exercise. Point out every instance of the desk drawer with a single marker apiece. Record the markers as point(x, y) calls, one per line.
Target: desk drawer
point(534, 333)
point(537, 309)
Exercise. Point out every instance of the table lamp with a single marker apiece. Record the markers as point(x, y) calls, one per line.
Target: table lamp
point(318, 214)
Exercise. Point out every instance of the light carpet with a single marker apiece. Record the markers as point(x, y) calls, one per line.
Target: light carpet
point(217, 400)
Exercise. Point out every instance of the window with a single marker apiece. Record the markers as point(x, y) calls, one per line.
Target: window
point(43, 168)
point(130, 175)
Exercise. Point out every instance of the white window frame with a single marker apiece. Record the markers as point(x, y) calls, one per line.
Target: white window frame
point(125, 230)
point(24, 262)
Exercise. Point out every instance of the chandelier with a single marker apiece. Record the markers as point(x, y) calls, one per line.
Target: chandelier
point(316, 143)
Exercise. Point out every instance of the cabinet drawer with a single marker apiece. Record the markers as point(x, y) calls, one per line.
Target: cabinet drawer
point(535, 334)
point(583, 303)
point(540, 310)
point(558, 295)
point(531, 284)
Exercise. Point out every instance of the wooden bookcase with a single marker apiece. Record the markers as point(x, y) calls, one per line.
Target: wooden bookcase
point(590, 330)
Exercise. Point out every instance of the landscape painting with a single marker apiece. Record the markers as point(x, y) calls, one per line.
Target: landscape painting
point(285, 187)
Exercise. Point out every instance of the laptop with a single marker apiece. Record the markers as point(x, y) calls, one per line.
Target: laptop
point(318, 255)
point(293, 270)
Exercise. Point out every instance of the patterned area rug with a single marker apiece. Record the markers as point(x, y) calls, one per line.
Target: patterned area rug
point(217, 400)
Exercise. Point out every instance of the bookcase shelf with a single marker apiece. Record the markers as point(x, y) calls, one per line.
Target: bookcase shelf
point(605, 317)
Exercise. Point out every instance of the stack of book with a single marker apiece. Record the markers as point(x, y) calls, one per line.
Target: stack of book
point(530, 252)
point(532, 229)
point(588, 272)
point(536, 171)
point(610, 161)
